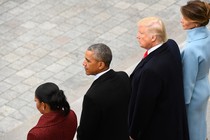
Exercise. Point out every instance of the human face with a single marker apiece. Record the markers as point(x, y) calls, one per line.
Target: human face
point(39, 105)
point(91, 65)
point(144, 38)
point(187, 23)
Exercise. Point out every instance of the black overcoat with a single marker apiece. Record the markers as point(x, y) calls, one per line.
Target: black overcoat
point(157, 109)
point(105, 108)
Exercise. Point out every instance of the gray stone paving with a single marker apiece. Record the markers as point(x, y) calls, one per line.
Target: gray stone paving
point(45, 40)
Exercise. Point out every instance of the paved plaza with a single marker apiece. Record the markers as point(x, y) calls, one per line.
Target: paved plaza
point(45, 40)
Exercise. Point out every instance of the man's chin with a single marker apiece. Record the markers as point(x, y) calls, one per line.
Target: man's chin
point(87, 73)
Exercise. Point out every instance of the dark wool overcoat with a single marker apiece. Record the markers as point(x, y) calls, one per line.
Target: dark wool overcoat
point(105, 108)
point(157, 109)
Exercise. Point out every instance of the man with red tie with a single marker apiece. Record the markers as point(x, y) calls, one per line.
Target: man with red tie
point(157, 109)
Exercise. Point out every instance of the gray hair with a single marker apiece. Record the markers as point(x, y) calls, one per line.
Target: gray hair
point(101, 53)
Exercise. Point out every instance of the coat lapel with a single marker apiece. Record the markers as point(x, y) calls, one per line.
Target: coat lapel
point(149, 57)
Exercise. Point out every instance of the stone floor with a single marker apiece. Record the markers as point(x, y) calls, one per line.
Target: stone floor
point(45, 40)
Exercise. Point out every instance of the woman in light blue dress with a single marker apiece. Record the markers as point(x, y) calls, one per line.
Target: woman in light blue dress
point(196, 64)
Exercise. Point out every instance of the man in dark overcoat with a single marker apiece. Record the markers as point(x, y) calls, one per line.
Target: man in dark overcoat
point(105, 105)
point(157, 109)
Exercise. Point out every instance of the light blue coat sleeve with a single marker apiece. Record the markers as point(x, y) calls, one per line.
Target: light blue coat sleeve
point(190, 70)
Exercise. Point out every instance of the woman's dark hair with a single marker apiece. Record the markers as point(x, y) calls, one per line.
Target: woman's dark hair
point(51, 94)
point(197, 11)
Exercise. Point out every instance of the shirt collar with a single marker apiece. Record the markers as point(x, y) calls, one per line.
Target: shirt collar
point(154, 48)
point(99, 74)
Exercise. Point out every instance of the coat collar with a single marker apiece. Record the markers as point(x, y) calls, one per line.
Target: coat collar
point(150, 56)
point(50, 119)
point(99, 74)
point(197, 33)
point(105, 76)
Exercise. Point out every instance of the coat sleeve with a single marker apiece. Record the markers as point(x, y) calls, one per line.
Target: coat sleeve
point(89, 120)
point(190, 70)
point(145, 102)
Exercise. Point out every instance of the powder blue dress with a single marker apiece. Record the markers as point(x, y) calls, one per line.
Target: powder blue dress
point(196, 63)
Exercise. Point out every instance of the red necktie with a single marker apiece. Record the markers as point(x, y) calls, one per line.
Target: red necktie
point(145, 54)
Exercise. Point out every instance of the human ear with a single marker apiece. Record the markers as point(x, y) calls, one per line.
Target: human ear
point(154, 37)
point(43, 106)
point(101, 65)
